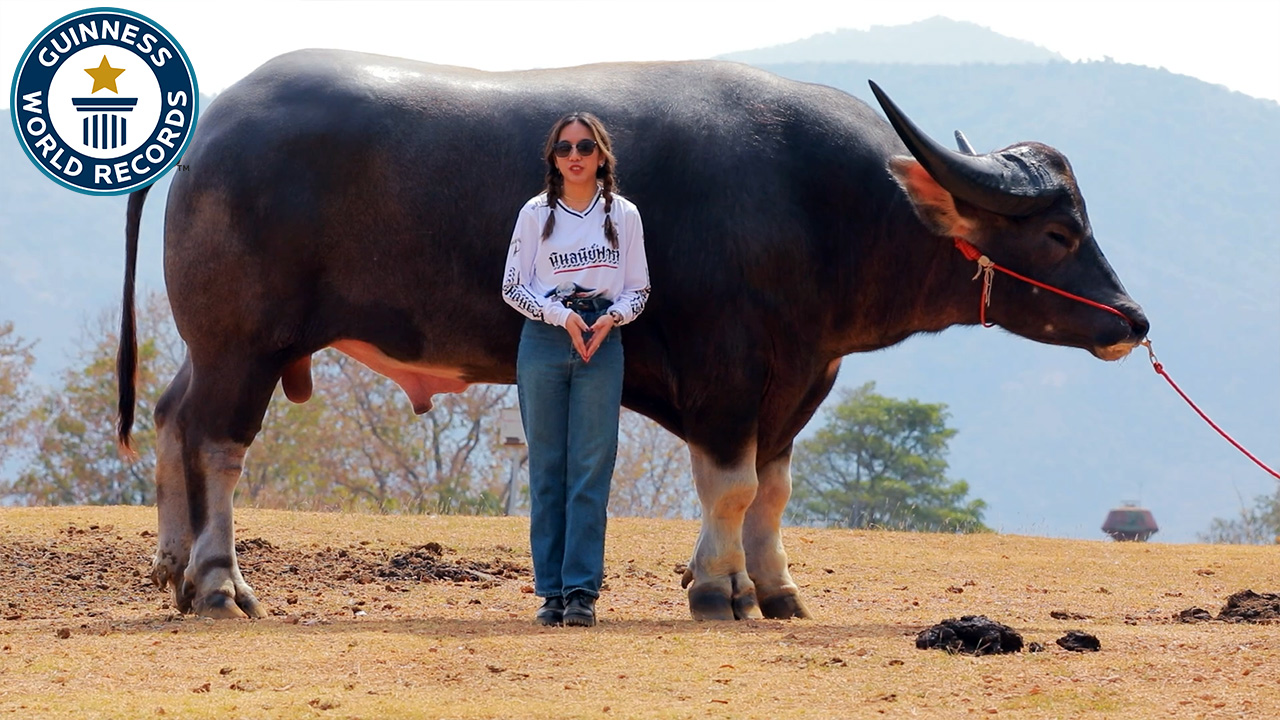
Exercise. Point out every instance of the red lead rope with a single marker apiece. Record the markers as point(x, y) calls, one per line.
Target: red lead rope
point(1159, 368)
point(986, 270)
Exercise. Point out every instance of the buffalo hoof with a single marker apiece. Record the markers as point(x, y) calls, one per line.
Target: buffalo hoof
point(184, 596)
point(229, 600)
point(248, 603)
point(728, 601)
point(166, 573)
point(162, 573)
point(784, 607)
point(221, 606)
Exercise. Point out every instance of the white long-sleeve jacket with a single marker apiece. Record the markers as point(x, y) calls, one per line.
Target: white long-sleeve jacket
point(576, 252)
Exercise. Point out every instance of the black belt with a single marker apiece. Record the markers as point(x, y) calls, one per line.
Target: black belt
point(585, 304)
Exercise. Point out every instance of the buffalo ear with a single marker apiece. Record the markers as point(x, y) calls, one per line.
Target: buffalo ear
point(935, 207)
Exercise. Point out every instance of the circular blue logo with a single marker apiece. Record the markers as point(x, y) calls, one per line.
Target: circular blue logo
point(104, 101)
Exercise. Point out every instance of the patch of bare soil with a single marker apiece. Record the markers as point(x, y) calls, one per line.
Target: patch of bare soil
point(370, 620)
point(1068, 615)
point(311, 580)
point(80, 572)
point(421, 563)
point(98, 574)
point(426, 563)
point(1195, 614)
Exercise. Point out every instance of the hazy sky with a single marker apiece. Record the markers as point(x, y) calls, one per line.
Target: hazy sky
point(1229, 42)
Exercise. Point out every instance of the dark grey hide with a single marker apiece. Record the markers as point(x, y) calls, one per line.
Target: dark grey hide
point(366, 203)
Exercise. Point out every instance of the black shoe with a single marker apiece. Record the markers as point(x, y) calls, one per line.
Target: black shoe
point(551, 612)
point(580, 610)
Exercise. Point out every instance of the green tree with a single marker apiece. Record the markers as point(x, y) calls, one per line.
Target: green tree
point(1258, 525)
point(16, 361)
point(77, 460)
point(880, 462)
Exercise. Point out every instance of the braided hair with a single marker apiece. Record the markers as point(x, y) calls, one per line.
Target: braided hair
point(604, 173)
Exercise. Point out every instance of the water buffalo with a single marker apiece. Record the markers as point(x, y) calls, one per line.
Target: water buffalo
point(365, 203)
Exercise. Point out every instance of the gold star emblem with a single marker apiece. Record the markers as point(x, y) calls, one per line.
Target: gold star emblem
point(104, 77)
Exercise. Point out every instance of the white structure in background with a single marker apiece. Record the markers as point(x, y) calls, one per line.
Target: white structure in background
point(513, 441)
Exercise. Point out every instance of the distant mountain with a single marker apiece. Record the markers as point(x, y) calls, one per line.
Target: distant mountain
point(936, 41)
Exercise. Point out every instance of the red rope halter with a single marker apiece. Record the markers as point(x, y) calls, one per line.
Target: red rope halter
point(987, 269)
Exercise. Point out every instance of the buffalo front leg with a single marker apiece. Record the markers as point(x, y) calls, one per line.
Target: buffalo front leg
point(762, 539)
point(717, 579)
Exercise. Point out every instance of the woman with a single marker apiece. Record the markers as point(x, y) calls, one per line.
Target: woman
point(576, 270)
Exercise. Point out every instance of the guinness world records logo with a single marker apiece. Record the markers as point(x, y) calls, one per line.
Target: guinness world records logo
point(103, 101)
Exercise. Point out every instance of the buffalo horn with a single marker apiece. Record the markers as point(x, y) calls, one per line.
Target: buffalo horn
point(1010, 182)
point(962, 142)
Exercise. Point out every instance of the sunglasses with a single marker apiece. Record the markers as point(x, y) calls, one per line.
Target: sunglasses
point(564, 147)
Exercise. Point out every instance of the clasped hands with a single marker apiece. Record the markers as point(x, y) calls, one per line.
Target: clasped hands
point(578, 330)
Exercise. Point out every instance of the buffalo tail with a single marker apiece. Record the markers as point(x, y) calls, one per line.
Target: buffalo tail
point(127, 354)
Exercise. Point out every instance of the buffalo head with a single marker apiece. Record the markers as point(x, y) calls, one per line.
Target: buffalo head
point(1022, 208)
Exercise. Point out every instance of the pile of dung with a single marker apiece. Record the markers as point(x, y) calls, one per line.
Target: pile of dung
point(971, 635)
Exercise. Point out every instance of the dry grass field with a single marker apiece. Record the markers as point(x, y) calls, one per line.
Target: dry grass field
point(357, 634)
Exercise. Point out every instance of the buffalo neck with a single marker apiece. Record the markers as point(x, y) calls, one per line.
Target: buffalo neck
point(900, 279)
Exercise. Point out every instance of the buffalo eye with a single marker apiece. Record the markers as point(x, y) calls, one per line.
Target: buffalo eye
point(1061, 239)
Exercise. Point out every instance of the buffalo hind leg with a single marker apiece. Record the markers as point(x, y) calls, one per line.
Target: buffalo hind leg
point(223, 412)
point(175, 536)
point(213, 574)
point(717, 579)
point(762, 539)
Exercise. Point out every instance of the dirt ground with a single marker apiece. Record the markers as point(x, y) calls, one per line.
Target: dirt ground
point(390, 617)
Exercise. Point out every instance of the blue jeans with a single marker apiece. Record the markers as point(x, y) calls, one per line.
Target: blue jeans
point(570, 412)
